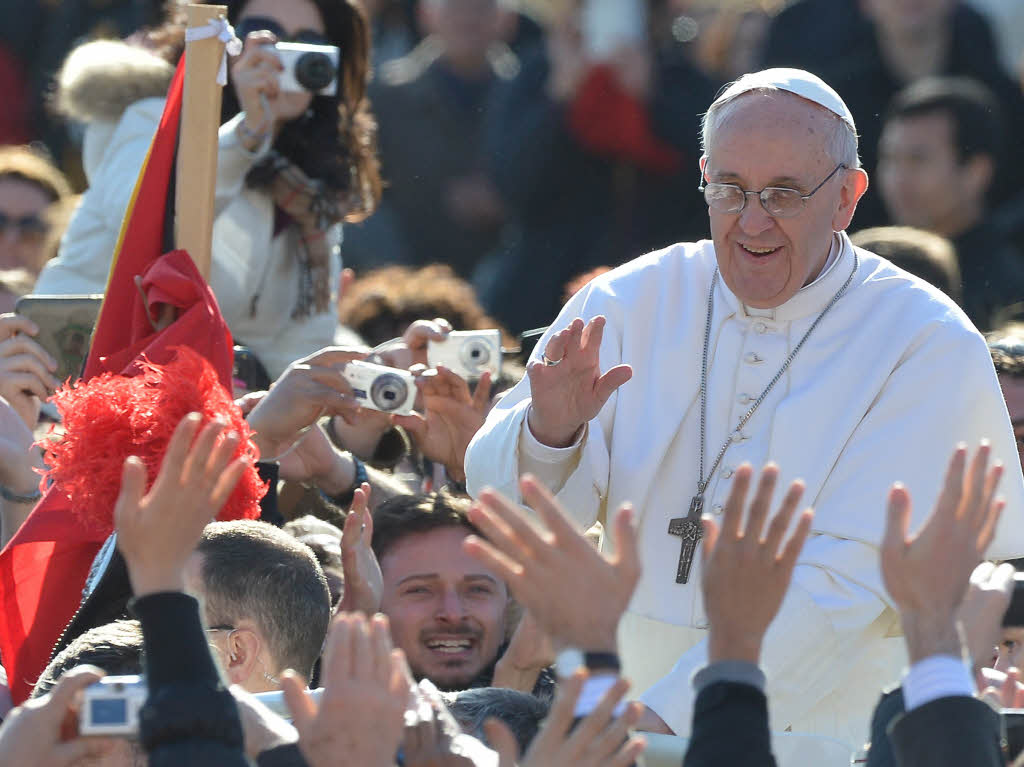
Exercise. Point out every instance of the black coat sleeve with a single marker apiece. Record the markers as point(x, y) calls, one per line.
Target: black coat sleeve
point(730, 726)
point(190, 717)
point(948, 732)
point(889, 707)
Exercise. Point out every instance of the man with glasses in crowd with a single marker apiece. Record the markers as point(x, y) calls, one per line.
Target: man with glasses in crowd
point(776, 341)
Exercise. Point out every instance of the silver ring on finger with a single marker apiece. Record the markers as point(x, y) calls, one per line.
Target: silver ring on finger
point(548, 362)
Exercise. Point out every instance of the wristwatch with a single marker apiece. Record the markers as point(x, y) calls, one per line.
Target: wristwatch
point(570, 659)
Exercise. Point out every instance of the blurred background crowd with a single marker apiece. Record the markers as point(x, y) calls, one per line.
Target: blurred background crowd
point(522, 148)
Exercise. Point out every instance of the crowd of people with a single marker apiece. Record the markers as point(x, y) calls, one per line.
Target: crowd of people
point(746, 259)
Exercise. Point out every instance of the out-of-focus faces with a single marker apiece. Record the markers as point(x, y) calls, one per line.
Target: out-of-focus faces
point(1013, 393)
point(466, 28)
point(23, 224)
point(777, 140)
point(447, 611)
point(908, 18)
point(922, 181)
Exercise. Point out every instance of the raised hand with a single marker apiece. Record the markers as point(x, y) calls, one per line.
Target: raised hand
point(568, 390)
point(452, 416)
point(359, 720)
point(599, 740)
point(254, 76)
point(310, 388)
point(158, 530)
point(364, 583)
point(26, 368)
point(981, 613)
point(927, 575)
point(573, 591)
point(529, 652)
point(747, 568)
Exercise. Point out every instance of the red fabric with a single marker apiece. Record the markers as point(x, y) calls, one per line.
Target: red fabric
point(44, 567)
point(15, 117)
point(610, 121)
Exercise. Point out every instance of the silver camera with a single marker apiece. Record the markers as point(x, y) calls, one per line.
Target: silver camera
point(469, 353)
point(388, 390)
point(111, 706)
point(308, 68)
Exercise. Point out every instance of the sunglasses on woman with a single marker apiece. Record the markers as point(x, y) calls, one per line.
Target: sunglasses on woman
point(265, 23)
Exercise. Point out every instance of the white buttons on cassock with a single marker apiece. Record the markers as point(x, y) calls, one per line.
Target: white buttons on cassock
point(744, 399)
point(753, 358)
point(760, 327)
point(726, 472)
point(717, 509)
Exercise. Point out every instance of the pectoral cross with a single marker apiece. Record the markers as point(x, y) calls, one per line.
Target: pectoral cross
point(691, 531)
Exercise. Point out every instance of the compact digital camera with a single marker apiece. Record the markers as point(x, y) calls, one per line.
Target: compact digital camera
point(469, 353)
point(377, 387)
point(111, 706)
point(308, 68)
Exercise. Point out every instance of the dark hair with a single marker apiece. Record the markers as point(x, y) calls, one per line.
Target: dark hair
point(924, 254)
point(406, 515)
point(382, 304)
point(254, 570)
point(521, 712)
point(972, 108)
point(116, 648)
point(1007, 347)
point(335, 142)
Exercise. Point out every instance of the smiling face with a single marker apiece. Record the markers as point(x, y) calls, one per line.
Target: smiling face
point(447, 612)
point(777, 139)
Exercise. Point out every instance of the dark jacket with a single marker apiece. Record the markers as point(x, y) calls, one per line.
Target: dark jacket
point(860, 76)
point(991, 272)
point(190, 717)
point(430, 125)
point(730, 727)
point(572, 209)
point(948, 732)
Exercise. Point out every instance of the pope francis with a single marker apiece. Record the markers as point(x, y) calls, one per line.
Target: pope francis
point(775, 341)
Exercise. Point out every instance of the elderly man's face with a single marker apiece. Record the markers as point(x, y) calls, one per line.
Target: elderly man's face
point(447, 611)
point(777, 140)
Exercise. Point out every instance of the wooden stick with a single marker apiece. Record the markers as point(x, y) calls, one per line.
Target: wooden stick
point(197, 143)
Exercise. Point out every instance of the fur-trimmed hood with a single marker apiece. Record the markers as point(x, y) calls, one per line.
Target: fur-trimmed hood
point(101, 79)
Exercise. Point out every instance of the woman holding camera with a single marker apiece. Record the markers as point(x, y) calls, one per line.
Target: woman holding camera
point(292, 166)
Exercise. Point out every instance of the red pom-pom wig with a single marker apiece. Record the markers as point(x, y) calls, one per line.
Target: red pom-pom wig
point(111, 417)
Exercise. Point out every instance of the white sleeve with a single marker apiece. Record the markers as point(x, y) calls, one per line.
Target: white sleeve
point(233, 162)
point(551, 465)
point(937, 676)
point(824, 616)
point(495, 457)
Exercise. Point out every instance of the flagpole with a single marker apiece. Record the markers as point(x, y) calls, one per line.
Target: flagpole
point(197, 143)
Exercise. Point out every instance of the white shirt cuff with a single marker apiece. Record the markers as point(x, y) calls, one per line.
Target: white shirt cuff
point(538, 451)
point(938, 676)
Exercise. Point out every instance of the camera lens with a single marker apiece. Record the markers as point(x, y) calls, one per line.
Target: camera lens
point(388, 392)
point(475, 354)
point(314, 71)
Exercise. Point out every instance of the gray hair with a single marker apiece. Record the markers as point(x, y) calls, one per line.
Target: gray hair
point(521, 712)
point(841, 146)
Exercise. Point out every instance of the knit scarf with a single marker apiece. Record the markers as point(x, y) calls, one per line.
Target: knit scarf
point(314, 208)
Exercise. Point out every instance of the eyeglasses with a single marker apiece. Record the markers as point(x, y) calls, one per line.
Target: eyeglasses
point(265, 23)
point(778, 201)
point(26, 226)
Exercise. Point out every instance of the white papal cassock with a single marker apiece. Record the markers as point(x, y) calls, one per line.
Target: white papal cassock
point(893, 377)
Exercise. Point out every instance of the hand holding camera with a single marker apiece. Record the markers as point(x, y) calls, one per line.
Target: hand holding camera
point(37, 732)
point(452, 416)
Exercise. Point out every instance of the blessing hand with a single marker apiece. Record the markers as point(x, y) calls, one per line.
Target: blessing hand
point(567, 386)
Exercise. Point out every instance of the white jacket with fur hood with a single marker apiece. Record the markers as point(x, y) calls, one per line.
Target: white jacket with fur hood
point(118, 92)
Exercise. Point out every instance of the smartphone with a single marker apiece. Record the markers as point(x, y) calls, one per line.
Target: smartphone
point(607, 25)
point(1014, 615)
point(65, 328)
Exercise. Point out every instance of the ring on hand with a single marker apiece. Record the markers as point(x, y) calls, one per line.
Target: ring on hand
point(548, 362)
